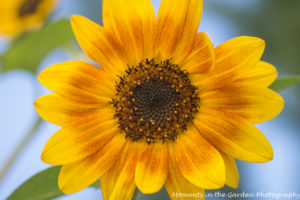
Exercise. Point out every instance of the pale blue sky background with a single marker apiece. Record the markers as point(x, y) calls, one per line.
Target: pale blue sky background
point(18, 91)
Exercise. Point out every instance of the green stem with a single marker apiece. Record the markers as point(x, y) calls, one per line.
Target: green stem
point(21, 146)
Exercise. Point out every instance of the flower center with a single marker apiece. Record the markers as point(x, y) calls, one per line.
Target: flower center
point(155, 101)
point(29, 7)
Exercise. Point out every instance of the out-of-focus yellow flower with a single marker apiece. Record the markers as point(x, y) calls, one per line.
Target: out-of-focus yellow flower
point(18, 16)
point(166, 109)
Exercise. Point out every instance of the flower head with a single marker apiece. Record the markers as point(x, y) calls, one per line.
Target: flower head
point(18, 16)
point(166, 108)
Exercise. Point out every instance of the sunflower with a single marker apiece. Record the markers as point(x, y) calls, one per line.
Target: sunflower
point(166, 108)
point(18, 16)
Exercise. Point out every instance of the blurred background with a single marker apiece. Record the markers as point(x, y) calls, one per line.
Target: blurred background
point(276, 21)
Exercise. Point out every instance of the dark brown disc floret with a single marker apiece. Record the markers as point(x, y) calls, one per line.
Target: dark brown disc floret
point(155, 101)
point(29, 7)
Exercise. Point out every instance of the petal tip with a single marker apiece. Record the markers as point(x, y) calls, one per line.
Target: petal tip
point(44, 157)
point(267, 156)
point(75, 18)
point(65, 185)
point(47, 158)
point(35, 103)
point(235, 186)
point(149, 190)
point(62, 187)
point(254, 40)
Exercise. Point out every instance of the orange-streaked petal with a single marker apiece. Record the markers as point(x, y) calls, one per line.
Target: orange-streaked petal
point(60, 111)
point(240, 50)
point(263, 74)
point(68, 145)
point(134, 24)
point(177, 185)
point(202, 57)
point(255, 103)
point(232, 174)
point(79, 175)
point(178, 23)
point(99, 44)
point(232, 58)
point(199, 162)
point(79, 82)
point(119, 180)
point(152, 168)
point(233, 135)
point(109, 179)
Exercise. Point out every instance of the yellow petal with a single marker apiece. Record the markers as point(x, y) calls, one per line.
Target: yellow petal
point(62, 112)
point(119, 182)
point(242, 51)
point(233, 135)
point(232, 58)
point(232, 174)
point(202, 57)
point(152, 168)
point(99, 44)
point(255, 103)
point(79, 82)
point(79, 175)
point(68, 145)
point(134, 24)
point(178, 23)
point(263, 74)
point(199, 162)
point(177, 186)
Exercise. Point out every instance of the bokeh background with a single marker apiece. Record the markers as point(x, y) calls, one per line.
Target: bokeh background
point(276, 21)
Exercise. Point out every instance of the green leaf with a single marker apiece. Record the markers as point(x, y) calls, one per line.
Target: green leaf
point(96, 185)
point(42, 186)
point(28, 51)
point(284, 83)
